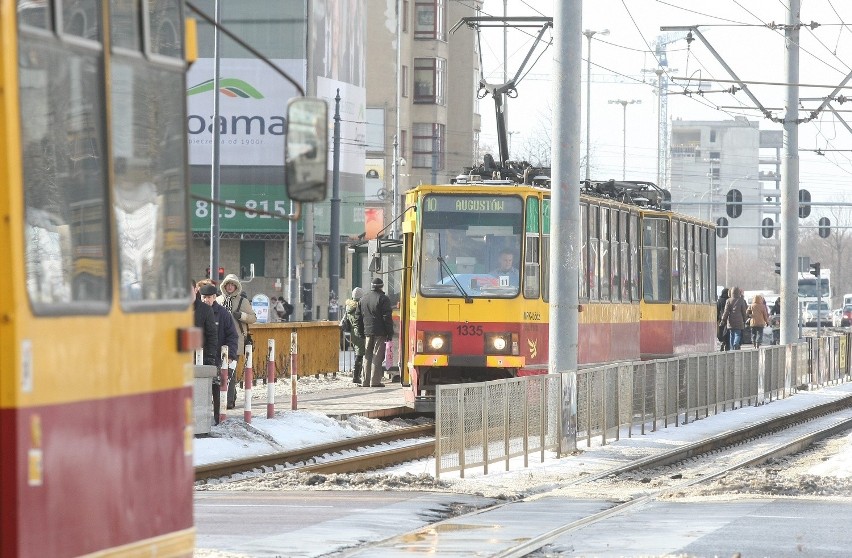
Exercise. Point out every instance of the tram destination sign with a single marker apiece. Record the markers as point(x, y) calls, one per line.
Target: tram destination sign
point(472, 204)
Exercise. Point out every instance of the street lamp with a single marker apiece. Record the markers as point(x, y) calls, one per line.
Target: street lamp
point(589, 34)
point(624, 104)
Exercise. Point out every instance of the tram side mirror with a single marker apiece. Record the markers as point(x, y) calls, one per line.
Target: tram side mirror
point(306, 149)
point(374, 256)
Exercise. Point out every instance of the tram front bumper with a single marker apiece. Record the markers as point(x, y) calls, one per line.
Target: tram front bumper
point(470, 361)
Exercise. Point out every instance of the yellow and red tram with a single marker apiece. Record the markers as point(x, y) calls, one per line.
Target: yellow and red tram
point(646, 282)
point(96, 421)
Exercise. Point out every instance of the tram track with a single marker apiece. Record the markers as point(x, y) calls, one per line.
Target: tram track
point(668, 474)
point(706, 462)
point(327, 458)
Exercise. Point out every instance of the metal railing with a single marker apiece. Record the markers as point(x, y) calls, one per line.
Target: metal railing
point(479, 424)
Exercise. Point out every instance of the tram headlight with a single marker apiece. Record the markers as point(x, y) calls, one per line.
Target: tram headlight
point(432, 342)
point(501, 343)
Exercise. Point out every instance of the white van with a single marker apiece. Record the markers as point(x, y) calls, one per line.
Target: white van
point(847, 299)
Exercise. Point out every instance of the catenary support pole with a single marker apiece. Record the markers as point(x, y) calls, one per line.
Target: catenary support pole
point(214, 167)
point(334, 232)
point(565, 210)
point(790, 187)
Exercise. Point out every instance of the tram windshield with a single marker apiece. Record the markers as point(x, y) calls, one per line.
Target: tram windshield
point(470, 246)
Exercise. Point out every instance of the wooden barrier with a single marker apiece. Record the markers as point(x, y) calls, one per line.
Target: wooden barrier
point(319, 347)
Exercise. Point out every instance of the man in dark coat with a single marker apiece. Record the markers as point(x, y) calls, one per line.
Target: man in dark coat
point(227, 335)
point(375, 320)
point(205, 320)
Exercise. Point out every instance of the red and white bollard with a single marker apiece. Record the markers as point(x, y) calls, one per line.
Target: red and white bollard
point(270, 380)
point(294, 401)
point(248, 380)
point(223, 384)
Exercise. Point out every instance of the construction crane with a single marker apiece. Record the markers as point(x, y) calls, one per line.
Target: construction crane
point(662, 70)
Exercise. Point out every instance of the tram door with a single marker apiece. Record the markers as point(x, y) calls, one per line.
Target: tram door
point(657, 312)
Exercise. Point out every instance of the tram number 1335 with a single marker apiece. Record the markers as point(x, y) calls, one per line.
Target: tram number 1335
point(468, 329)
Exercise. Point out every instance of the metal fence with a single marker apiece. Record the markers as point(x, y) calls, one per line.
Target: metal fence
point(484, 423)
point(479, 424)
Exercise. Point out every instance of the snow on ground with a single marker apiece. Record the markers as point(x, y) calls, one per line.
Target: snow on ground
point(289, 430)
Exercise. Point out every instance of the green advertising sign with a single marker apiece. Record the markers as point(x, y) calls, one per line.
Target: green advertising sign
point(272, 199)
point(268, 198)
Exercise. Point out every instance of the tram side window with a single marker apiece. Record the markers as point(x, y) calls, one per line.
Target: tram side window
point(584, 278)
point(125, 24)
point(677, 265)
point(63, 162)
point(150, 187)
point(545, 249)
point(81, 18)
point(532, 258)
point(165, 28)
point(691, 269)
point(711, 265)
point(605, 269)
point(656, 265)
point(594, 252)
point(35, 14)
point(633, 235)
point(623, 255)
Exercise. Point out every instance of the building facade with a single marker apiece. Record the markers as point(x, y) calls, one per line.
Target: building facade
point(357, 50)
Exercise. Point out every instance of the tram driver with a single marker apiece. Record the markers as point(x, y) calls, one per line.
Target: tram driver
point(506, 270)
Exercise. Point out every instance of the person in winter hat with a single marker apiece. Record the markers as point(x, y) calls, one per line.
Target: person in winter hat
point(375, 319)
point(243, 314)
point(356, 334)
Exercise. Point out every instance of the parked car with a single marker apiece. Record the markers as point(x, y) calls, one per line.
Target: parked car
point(816, 312)
point(842, 317)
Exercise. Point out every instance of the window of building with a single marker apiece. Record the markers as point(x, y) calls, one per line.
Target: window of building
point(403, 143)
point(404, 84)
point(428, 143)
point(712, 136)
point(429, 22)
point(405, 16)
point(375, 129)
point(429, 79)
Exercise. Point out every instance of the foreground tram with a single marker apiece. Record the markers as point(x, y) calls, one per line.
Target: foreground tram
point(646, 281)
point(96, 422)
point(96, 336)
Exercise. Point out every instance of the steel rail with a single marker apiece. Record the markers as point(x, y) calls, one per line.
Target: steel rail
point(310, 453)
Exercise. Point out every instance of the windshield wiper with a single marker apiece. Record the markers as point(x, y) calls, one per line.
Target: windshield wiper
point(467, 298)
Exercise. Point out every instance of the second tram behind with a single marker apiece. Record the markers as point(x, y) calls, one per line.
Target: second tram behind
point(646, 282)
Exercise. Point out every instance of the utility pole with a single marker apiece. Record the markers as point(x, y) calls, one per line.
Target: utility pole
point(790, 188)
point(624, 104)
point(589, 34)
point(394, 231)
point(214, 167)
point(334, 232)
point(565, 210)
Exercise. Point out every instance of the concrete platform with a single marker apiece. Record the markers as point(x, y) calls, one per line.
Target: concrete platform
point(338, 398)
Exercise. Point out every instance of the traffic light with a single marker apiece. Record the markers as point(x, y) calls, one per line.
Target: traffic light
point(221, 273)
point(804, 203)
point(815, 269)
point(824, 227)
point(778, 268)
point(722, 227)
point(768, 227)
point(733, 203)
